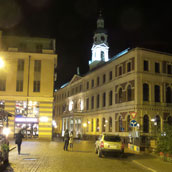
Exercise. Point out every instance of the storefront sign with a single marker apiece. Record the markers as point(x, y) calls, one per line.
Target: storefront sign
point(26, 120)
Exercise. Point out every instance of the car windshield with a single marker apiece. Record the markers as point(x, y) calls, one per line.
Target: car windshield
point(112, 138)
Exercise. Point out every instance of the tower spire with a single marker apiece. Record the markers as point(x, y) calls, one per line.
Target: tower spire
point(100, 45)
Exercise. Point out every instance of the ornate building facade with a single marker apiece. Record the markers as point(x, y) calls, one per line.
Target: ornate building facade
point(133, 86)
point(27, 83)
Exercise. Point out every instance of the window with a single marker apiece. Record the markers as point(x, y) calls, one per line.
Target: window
point(104, 78)
point(129, 93)
point(19, 86)
point(110, 124)
point(169, 120)
point(37, 66)
point(146, 67)
point(169, 69)
point(157, 93)
point(98, 81)
point(110, 75)
point(103, 125)
point(92, 83)
point(87, 85)
point(98, 100)
point(168, 95)
point(110, 98)
point(20, 66)
point(157, 67)
point(120, 124)
point(145, 92)
point(120, 95)
point(120, 70)
point(158, 122)
point(2, 104)
point(92, 125)
point(97, 125)
point(102, 56)
point(146, 124)
point(129, 67)
point(92, 102)
point(87, 103)
point(104, 100)
point(2, 84)
point(36, 86)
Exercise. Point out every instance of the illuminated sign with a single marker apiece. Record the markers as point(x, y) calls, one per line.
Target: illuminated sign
point(26, 120)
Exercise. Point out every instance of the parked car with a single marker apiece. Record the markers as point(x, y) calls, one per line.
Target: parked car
point(107, 143)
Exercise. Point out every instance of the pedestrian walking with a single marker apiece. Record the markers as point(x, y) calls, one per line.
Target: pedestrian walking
point(71, 140)
point(66, 140)
point(18, 141)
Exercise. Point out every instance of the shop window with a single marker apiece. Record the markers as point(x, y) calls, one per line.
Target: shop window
point(120, 124)
point(103, 125)
point(92, 125)
point(110, 124)
point(97, 125)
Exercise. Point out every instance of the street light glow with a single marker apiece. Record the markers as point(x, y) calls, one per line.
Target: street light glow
point(2, 64)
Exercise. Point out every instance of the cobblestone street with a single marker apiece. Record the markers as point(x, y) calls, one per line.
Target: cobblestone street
point(50, 157)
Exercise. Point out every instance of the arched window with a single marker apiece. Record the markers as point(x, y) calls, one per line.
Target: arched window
point(168, 95)
point(120, 95)
point(102, 55)
point(146, 124)
point(120, 124)
point(110, 98)
point(110, 124)
point(128, 123)
point(158, 122)
point(169, 121)
point(157, 93)
point(145, 92)
point(103, 125)
point(129, 93)
point(97, 125)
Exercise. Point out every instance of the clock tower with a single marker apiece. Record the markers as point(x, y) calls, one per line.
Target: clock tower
point(100, 45)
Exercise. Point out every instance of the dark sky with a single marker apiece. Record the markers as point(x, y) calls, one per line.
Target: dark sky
point(73, 22)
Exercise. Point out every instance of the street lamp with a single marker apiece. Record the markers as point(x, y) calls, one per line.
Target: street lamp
point(2, 64)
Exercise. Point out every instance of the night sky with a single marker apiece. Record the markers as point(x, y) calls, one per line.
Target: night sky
point(73, 22)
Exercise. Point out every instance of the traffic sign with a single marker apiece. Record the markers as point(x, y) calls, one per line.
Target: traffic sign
point(133, 114)
point(133, 123)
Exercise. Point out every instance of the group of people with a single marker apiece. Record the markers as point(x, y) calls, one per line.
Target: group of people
point(68, 140)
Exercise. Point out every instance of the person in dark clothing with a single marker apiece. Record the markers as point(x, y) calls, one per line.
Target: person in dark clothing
point(18, 141)
point(66, 140)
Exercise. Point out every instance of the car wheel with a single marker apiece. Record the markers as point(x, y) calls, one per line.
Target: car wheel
point(100, 153)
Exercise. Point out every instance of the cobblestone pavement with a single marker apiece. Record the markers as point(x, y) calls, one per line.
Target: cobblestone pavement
point(39, 156)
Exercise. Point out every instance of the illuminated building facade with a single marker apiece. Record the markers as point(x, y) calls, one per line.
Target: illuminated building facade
point(135, 85)
point(27, 84)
